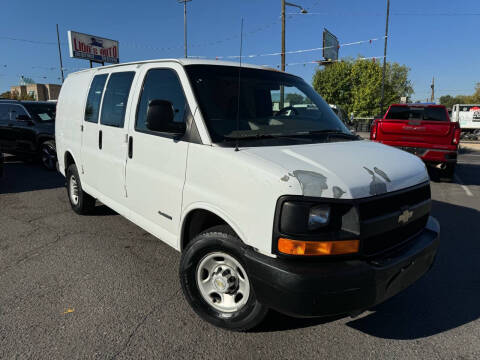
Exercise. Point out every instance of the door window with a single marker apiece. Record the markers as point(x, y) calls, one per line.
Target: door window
point(94, 96)
point(160, 84)
point(15, 111)
point(4, 112)
point(116, 98)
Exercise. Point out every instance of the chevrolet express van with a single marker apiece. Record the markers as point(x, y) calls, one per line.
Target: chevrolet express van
point(271, 206)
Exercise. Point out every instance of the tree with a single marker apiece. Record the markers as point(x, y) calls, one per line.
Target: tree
point(355, 85)
point(5, 95)
point(294, 99)
point(476, 95)
point(15, 96)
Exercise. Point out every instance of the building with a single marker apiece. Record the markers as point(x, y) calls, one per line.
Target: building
point(39, 92)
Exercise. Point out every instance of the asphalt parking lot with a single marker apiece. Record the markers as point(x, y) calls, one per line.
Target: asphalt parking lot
point(100, 287)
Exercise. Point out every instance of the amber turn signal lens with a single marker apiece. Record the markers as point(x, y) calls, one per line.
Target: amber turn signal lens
point(309, 248)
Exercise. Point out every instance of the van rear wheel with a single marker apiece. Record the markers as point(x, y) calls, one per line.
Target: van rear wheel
point(81, 202)
point(216, 283)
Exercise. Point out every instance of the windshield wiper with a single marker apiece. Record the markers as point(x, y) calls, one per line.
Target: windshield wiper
point(256, 136)
point(334, 133)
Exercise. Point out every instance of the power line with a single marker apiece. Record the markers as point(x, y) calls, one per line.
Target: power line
point(297, 51)
point(364, 13)
point(156, 48)
point(28, 40)
point(319, 61)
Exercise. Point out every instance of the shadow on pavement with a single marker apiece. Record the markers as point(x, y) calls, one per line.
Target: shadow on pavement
point(445, 298)
point(469, 173)
point(21, 176)
point(101, 210)
point(276, 321)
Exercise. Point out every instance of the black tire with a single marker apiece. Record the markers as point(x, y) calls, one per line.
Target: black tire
point(48, 155)
point(84, 203)
point(217, 239)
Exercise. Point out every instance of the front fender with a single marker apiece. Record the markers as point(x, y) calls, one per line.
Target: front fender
point(213, 209)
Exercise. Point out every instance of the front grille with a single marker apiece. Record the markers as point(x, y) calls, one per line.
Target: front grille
point(387, 204)
point(384, 211)
point(393, 238)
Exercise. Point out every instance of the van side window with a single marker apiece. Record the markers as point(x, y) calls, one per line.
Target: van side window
point(94, 97)
point(116, 98)
point(160, 84)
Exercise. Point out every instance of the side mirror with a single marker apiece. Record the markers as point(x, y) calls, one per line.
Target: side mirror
point(160, 115)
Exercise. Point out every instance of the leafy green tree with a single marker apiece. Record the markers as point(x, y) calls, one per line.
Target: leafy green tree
point(5, 95)
point(449, 100)
point(475, 98)
point(15, 96)
point(356, 85)
point(334, 83)
point(294, 99)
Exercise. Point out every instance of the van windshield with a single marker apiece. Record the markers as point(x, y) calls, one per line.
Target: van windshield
point(272, 104)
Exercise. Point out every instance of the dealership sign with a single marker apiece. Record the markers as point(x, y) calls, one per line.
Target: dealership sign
point(94, 48)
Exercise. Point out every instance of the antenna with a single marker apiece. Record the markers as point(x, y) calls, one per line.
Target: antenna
point(239, 78)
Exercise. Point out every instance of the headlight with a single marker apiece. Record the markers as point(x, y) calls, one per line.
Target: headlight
point(305, 217)
point(319, 216)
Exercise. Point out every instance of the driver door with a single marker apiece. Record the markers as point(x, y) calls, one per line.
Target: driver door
point(156, 163)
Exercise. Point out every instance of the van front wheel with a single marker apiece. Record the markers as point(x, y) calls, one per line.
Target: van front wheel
point(215, 281)
point(81, 202)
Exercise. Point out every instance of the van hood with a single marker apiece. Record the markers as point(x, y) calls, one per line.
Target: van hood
point(346, 170)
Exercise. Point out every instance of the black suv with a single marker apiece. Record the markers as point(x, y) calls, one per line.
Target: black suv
point(27, 129)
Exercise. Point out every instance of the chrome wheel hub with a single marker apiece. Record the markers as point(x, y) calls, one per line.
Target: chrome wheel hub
point(73, 190)
point(223, 282)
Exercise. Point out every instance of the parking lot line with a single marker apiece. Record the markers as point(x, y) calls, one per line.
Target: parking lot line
point(464, 187)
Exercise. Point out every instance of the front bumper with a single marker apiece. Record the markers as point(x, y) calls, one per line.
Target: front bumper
point(330, 287)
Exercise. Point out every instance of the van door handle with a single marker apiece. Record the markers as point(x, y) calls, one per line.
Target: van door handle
point(130, 147)
point(100, 139)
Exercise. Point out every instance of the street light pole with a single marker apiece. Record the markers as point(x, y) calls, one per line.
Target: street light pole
point(283, 35)
point(185, 24)
point(303, 11)
point(60, 54)
point(385, 59)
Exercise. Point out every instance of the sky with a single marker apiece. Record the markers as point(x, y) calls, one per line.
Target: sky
point(433, 38)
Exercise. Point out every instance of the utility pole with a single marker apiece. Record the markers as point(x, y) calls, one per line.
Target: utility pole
point(282, 89)
point(283, 35)
point(60, 54)
point(303, 11)
point(433, 89)
point(385, 58)
point(185, 23)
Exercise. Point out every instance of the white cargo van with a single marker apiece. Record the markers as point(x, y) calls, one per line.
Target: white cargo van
point(467, 116)
point(281, 209)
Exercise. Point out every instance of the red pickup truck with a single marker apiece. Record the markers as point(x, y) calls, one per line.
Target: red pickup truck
point(421, 129)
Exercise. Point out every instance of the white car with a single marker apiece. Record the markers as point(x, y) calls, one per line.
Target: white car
point(270, 208)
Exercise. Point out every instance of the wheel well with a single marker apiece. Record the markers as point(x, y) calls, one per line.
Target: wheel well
point(68, 160)
point(198, 221)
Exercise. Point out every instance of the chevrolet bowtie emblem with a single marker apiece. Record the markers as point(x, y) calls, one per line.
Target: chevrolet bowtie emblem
point(405, 216)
